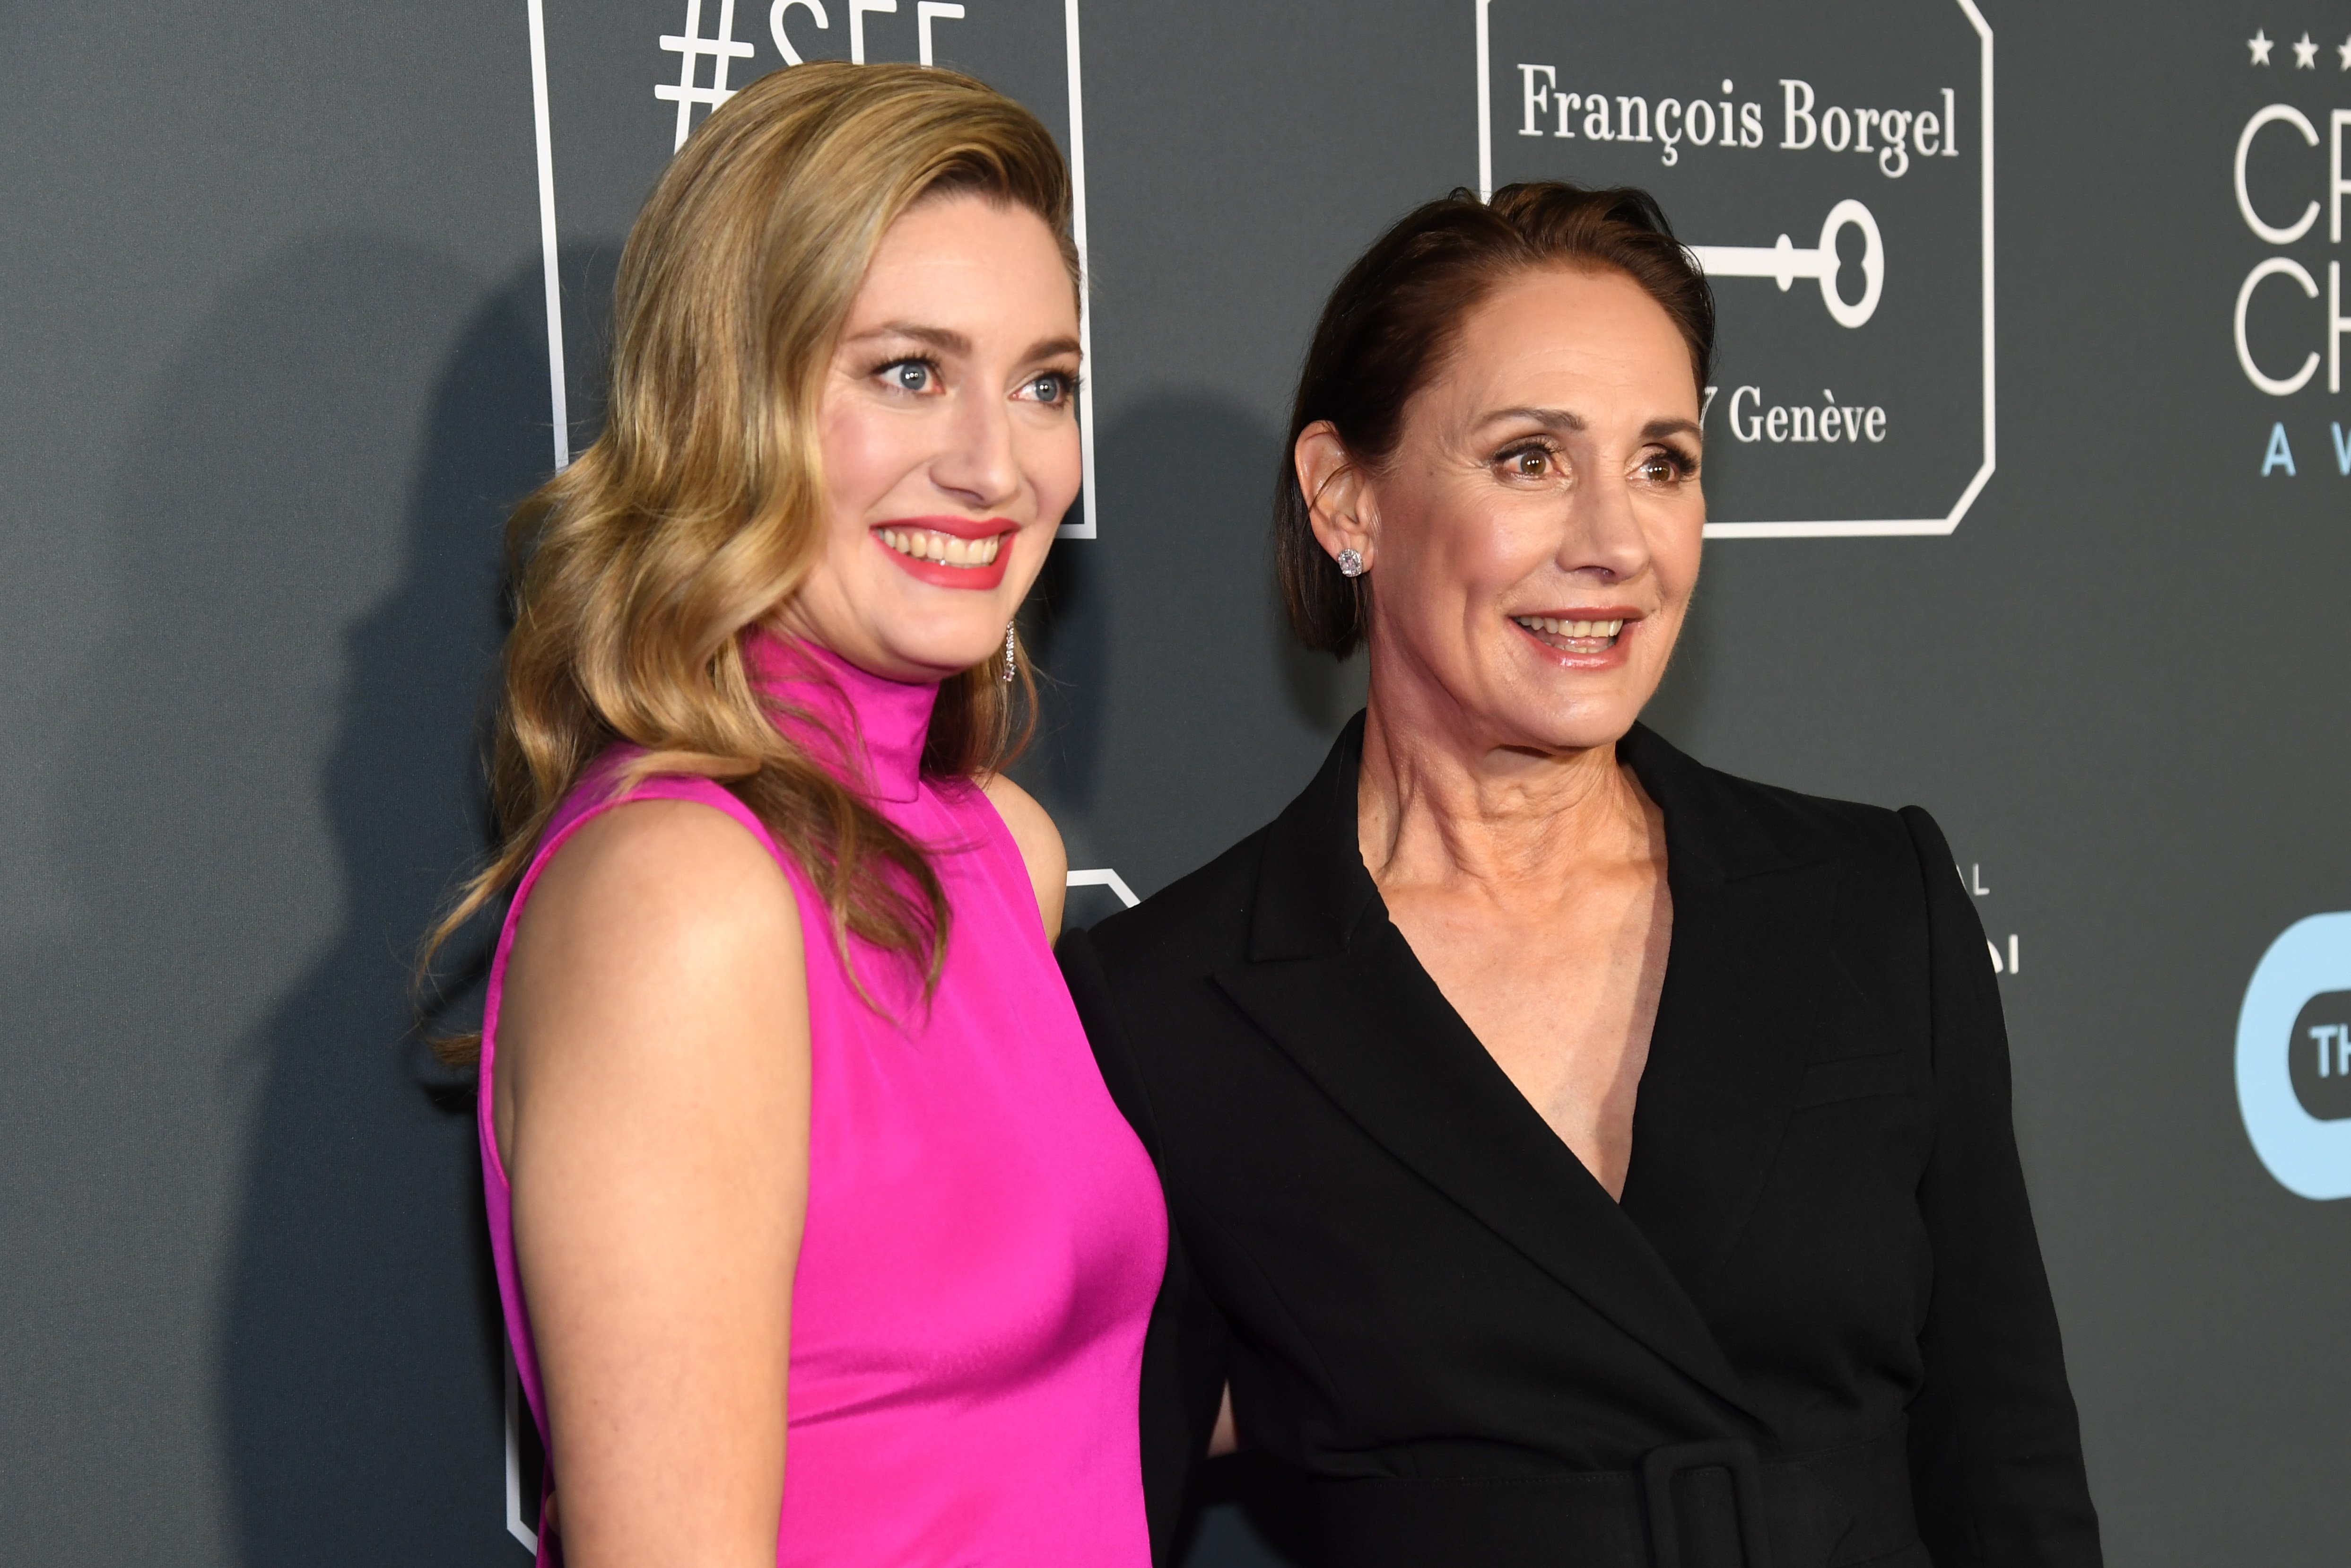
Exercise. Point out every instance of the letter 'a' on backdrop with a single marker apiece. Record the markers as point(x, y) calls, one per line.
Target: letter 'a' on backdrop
point(606, 123)
point(1830, 166)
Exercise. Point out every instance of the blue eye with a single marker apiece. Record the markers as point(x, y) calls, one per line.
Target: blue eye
point(1053, 387)
point(910, 375)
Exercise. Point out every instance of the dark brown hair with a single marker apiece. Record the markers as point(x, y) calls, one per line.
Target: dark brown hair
point(1388, 326)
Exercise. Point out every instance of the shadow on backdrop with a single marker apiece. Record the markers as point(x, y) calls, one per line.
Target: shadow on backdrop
point(1065, 626)
point(1180, 582)
point(361, 1363)
point(1679, 708)
point(274, 757)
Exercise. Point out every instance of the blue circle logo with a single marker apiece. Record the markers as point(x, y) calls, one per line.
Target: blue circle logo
point(2294, 1057)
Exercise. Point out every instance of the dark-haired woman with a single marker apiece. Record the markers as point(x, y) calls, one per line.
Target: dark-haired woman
point(1575, 1155)
point(820, 1238)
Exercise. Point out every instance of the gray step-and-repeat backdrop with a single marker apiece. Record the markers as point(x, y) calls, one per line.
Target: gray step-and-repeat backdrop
point(2030, 454)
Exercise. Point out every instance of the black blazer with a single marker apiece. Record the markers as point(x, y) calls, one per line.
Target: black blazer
point(1421, 1296)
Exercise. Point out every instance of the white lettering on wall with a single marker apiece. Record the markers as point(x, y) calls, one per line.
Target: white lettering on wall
point(2334, 325)
point(783, 8)
point(1751, 420)
point(2274, 114)
point(1890, 138)
point(2275, 266)
point(1537, 95)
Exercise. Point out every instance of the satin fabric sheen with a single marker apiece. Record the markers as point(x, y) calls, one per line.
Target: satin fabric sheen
point(985, 1234)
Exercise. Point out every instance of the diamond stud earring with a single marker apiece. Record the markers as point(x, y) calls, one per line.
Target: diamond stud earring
point(1351, 563)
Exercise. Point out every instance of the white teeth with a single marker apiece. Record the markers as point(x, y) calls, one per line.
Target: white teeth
point(943, 549)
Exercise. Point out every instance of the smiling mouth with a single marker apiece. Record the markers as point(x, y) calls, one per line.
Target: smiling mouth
point(1572, 636)
point(942, 549)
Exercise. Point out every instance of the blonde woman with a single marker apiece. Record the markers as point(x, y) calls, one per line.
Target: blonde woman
point(818, 1236)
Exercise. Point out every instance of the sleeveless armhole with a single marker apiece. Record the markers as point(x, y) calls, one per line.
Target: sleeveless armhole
point(998, 838)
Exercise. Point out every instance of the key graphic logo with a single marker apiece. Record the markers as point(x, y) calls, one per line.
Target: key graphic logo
point(1832, 171)
point(2294, 1057)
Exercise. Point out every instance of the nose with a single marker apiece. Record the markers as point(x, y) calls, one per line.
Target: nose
point(978, 463)
point(1604, 540)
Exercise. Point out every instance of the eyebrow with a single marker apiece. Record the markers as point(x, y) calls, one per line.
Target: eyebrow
point(1562, 419)
point(949, 342)
point(945, 339)
point(1549, 418)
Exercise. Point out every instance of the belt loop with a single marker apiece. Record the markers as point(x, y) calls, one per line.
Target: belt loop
point(1736, 1455)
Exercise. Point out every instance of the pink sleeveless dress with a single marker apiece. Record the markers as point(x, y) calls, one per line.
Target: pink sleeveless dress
point(985, 1234)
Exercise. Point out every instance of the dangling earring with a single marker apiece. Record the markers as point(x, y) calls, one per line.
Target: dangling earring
point(1012, 648)
point(1351, 563)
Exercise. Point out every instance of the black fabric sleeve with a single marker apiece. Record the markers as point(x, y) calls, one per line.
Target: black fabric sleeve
point(1184, 1353)
point(1995, 1445)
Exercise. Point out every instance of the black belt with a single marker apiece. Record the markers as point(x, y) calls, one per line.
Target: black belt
point(1692, 1505)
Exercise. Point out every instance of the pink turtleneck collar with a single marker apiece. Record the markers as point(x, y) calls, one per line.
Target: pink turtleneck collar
point(887, 720)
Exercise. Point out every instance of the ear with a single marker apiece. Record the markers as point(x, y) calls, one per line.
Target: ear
point(1339, 499)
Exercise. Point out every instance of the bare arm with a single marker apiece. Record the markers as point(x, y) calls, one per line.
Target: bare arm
point(1040, 848)
point(652, 1104)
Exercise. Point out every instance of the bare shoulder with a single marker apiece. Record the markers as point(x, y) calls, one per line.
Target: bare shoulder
point(1040, 846)
point(1032, 829)
point(660, 938)
point(683, 877)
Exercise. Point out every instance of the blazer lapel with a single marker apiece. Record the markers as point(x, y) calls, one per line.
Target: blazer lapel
point(1334, 984)
point(1752, 910)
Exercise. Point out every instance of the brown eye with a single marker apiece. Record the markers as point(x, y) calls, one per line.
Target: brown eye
point(1527, 462)
point(1664, 468)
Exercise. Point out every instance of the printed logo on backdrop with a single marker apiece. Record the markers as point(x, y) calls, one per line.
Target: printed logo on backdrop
point(1831, 168)
point(618, 86)
point(2294, 1058)
point(2290, 180)
point(2007, 958)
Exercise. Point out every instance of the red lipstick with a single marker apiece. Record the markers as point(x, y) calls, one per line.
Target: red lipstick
point(926, 567)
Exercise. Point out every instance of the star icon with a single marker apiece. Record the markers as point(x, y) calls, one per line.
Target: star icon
point(2343, 48)
point(2305, 55)
point(2260, 43)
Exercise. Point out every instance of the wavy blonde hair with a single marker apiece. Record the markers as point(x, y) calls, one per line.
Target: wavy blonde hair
point(701, 508)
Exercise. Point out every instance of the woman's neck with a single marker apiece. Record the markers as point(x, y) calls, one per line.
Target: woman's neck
point(1440, 806)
